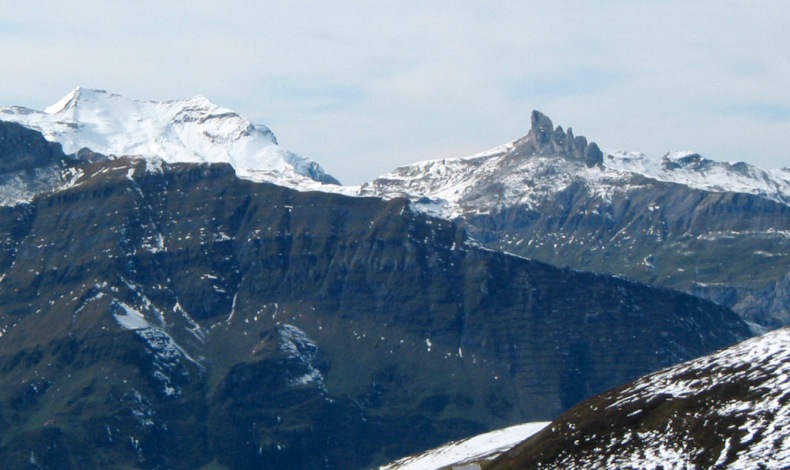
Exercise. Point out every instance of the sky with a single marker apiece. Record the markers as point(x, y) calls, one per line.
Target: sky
point(364, 87)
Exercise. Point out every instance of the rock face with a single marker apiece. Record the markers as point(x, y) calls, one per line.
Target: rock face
point(726, 410)
point(30, 165)
point(720, 231)
point(731, 248)
point(544, 140)
point(25, 149)
point(174, 316)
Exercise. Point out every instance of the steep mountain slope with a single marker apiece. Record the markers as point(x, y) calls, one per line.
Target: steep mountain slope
point(176, 316)
point(721, 231)
point(727, 410)
point(192, 130)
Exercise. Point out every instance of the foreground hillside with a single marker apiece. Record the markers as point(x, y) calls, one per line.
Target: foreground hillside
point(163, 315)
point(730, 409)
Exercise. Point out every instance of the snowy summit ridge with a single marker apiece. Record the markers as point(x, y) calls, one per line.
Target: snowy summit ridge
point(548, 160)
point(194, 130)
point(545, 161)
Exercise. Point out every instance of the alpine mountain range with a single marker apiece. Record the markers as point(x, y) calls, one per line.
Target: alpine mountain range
point(177, 290)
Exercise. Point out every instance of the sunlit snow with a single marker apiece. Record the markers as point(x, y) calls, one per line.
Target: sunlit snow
point(479, 448)
point(499, 178)
point(194, 130)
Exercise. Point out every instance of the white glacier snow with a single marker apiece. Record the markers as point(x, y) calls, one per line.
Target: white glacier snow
point(194, 130)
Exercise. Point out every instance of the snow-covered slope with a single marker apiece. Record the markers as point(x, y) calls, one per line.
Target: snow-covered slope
point(489, 181)
point(192, 130)
point(691, 169)
point(546, 161)
point(484, 447)
point(730, 409)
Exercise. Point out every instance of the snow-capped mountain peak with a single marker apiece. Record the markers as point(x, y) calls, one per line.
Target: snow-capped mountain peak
point(548, 160)
point(68, 101)
point(194, 130)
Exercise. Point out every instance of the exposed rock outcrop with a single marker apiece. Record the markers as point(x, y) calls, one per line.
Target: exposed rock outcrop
point(545, 140)
point(25, 149)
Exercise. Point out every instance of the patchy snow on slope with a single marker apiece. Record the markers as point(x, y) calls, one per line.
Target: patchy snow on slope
point(484, 447)
point(730, 409)
point(22, 186)
point(168, 356)
point(766, 358)
point(193, 131)
point(436, 186)
point(692, 170)
point(763, 363)
point(491, 181)
point(505, 177)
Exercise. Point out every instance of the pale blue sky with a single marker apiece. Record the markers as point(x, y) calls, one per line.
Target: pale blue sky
point(363, 87)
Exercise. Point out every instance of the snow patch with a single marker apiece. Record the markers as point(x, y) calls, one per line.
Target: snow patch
point(295, 344)
point(130, 318)
point(484, 447)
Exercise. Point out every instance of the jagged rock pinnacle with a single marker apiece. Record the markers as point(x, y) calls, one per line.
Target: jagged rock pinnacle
point(541, 127)
point(546, 140)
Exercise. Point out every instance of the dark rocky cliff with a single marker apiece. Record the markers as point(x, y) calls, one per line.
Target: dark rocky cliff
point(179, 317)
point(731, 248)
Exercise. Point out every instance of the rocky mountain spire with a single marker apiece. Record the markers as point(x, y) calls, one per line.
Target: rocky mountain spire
point(546, 140)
